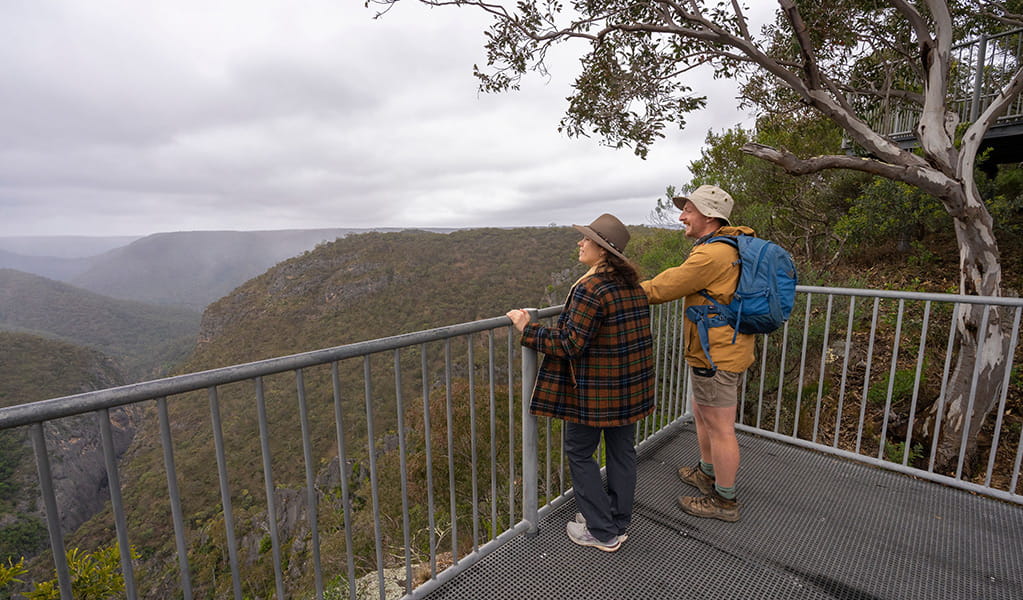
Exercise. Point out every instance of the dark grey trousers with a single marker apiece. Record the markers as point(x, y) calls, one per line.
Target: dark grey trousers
point(607, 513)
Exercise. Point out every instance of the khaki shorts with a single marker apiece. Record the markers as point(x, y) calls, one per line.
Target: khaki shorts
point(721, 389)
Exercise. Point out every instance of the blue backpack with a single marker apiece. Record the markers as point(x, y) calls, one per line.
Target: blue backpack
point(763, 299)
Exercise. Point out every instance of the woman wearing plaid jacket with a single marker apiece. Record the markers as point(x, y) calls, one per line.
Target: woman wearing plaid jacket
point(598, 375)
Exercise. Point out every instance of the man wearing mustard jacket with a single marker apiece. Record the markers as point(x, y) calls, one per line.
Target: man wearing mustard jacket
point(712, 267)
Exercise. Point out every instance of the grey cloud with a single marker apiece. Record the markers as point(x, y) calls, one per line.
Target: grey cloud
point(128, 118)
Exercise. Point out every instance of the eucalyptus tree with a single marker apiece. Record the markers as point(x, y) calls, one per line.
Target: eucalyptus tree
point(801, 213)
point(843, 59)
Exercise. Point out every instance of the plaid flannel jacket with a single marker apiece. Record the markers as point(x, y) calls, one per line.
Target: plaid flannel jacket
point(598, 365)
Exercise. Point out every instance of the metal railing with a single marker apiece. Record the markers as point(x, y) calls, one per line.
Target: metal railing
point(396, 472)
point(856, 372)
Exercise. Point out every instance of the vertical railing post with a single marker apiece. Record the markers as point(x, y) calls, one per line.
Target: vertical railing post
point(116, 503)
point(978, 78)
point(52, 516)
point(530, 467)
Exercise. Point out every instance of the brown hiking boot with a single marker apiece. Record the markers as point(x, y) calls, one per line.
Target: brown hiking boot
point(711, 506)
point(695, 477)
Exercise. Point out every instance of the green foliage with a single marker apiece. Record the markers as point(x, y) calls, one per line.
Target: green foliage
point(12, 451)
point(1006, 200)
point(902, 389)
point(94, 576)
point(895, 451)
point(887, 209)
point(922, 256)
point(458, 454)
point(379, 284)
point(635, 79)
point(37, 368)
point(835, 215)
point(11, 574)
point(658, 249)
point(25, 536)
point(798, 213)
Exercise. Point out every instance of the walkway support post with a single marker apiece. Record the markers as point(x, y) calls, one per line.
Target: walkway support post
point(530, 468)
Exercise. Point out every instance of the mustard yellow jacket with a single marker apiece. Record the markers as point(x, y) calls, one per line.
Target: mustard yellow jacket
point(713, 267)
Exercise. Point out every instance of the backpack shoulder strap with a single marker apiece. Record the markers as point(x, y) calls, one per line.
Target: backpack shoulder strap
point(731, 240)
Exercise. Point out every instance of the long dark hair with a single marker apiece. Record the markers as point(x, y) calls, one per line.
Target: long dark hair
point(620, 270)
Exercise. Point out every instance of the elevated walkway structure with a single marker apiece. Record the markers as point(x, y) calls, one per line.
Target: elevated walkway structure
point(813, 527)
point(980, 68)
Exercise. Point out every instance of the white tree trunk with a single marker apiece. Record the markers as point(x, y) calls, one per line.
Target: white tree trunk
point(980, 274)
point(975, 384)
point(974, 389)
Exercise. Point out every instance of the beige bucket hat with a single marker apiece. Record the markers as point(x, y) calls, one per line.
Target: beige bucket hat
point(710, 200)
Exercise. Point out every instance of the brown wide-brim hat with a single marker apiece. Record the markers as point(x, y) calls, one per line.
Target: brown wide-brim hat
point(608, 232)
point(710, 200)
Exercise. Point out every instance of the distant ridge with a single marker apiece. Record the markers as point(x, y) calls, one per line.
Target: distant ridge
point(191, 269)
point(50, 267)
point(63, 246)
point(187, 269)
point(378, 284)
point(144, 339)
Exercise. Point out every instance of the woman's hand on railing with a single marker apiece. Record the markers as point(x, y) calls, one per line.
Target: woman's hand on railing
point(519, 318)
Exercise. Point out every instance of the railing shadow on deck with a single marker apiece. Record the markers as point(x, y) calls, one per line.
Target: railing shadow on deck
point(416, 452)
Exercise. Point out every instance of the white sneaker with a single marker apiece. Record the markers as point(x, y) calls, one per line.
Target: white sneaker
point(579, 518)
point(578, 533)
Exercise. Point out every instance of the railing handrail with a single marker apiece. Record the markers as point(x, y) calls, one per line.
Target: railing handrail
point(55, 408)
point(933, 296)
point(986, 36)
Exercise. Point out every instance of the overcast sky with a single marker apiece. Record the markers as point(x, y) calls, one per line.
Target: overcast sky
point(122, 117)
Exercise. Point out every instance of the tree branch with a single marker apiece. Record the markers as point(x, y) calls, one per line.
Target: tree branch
point(813, 75)
point(978, 129)
point(997, 11)
point(922, 176)
point(741, 19)
point(933, 129)
point(835, 106)
point(916, 20)
point(874, 91)
point(806, 166)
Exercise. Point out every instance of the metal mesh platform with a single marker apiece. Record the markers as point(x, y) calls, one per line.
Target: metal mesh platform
point(813, 526)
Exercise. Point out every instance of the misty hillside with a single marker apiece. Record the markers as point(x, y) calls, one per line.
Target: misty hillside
point(63, 246)
point(50, 267)
point(193, 268)
point(379, 284)
point(34, 368)
point(60, 257)
point(144, 339)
